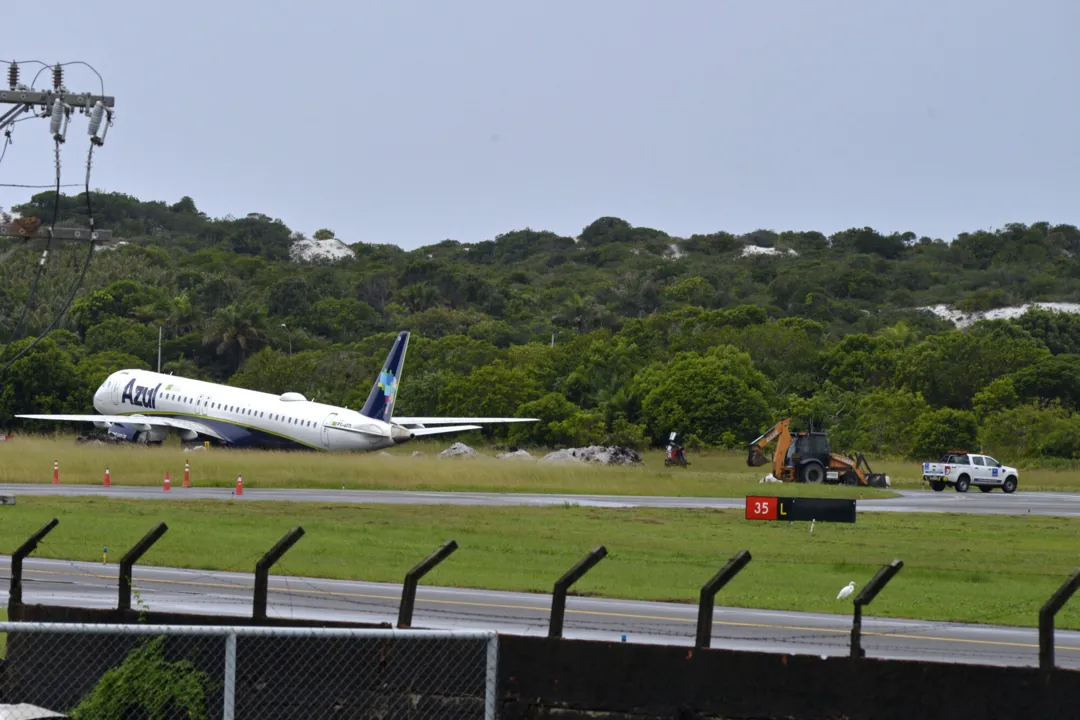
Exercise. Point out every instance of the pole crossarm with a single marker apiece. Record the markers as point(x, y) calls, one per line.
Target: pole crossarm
point(48, 97)
point(60, 233)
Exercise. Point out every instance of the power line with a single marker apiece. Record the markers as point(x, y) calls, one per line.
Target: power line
point(34, 187)
point(57, 105)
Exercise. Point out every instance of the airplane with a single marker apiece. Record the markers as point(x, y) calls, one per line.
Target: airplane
point(144, 407)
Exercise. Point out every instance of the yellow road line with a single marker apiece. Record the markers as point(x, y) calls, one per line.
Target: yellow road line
point(599, 613)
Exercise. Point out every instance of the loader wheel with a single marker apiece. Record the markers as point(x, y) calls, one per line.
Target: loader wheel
point(937, 485)
point(962, 483)
point(849, 478)
point(812, 473)
point(1010, 484)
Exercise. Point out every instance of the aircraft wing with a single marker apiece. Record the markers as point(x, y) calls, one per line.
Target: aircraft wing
point(436, 430)
point(177, 423)
point(451, 420)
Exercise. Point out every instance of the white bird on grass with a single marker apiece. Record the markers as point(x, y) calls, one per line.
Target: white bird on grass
point(848, 589)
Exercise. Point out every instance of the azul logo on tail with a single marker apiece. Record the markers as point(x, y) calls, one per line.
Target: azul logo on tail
point(140, 395)
point(388, 384)
point(380, 401)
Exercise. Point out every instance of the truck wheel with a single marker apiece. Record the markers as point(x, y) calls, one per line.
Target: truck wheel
point(1010, 484)
point(962, 483)
point(937, 485)
point(812, 473)
point(986, 488)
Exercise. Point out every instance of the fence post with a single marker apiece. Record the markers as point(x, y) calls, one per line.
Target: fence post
point(558, 596)
point(708, 594)
point(228, 711)
point(129, 559)
point(408, 590)
point(492, 680)
point(1046, 619)
point(15, 589)
point(262, 569)
point(868, 593)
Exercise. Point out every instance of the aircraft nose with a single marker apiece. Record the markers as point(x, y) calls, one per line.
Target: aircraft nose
point(399, 434)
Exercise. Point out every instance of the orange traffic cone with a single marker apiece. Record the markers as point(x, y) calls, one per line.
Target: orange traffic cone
point(187, 473)
point(56, 472)
point(108, 483)
point(239, 485)
point(168, 485)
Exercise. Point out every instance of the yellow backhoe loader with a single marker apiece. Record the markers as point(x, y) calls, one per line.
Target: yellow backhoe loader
point(807, 457)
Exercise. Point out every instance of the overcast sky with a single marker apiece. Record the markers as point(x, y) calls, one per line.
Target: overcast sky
point(412, 122)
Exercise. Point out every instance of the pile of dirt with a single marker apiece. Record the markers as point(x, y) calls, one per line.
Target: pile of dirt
point(458, 450)
point(611, 455)
point(515, 455)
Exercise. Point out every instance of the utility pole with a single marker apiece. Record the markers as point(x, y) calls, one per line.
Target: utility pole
point(57, 105)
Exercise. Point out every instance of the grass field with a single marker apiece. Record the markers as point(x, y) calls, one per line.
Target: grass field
point(28, 459)
point(964, 568)
point(711, 474)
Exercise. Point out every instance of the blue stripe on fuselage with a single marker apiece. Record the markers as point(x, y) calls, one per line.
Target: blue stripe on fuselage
point(235, 435)
point(240, 436)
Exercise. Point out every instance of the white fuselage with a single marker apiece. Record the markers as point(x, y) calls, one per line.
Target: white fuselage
point(244, 417)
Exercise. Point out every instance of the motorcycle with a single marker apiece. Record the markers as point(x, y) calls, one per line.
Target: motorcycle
point(674, 454)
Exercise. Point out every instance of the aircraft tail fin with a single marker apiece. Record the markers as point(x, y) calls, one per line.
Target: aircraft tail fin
point(380, 401)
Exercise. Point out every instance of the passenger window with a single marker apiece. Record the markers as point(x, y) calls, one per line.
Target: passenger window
point(977, 461)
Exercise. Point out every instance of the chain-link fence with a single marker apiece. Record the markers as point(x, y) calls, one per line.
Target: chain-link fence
point(116, 672)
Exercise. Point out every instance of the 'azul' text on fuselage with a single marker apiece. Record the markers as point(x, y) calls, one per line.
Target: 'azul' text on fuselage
point(139, 395)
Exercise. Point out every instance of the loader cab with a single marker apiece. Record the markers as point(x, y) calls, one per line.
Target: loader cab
point(808, 446)
point(807, 457)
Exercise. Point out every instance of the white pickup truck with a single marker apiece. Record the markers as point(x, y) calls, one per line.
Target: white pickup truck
point(963, 470)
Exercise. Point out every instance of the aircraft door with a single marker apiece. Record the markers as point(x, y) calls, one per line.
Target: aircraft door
point(114, 387)
point(327, 423)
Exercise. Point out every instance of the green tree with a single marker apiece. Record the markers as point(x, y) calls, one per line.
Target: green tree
point(44, 380)
point(235, 331)
point(885, 421)
point(720, 396)
point(1025, 430)
point(493, 390)
point(951, 368)
point(938, 431)
point(124, 335)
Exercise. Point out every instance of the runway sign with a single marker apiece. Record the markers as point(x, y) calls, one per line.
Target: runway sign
point(804, 509)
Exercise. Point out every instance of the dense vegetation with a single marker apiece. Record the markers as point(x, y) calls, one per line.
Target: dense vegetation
point(620, 335)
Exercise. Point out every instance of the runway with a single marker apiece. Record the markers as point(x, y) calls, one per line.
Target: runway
point(910, 501)
point(58, 582)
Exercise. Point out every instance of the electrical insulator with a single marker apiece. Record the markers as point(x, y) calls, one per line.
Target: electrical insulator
point(95, 117)
point(57, 76)
point(13, 74)
point(57, 117)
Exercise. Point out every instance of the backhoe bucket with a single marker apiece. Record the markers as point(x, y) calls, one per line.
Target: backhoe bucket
point(755, 458)
point(878, 480)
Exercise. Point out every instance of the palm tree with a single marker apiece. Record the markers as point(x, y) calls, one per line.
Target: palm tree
point(237, 329)
point(183, 314)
